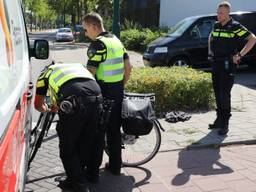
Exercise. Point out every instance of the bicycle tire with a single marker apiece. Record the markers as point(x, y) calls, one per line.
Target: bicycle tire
point(34, 134)
point(133, 155)
point(39, 133)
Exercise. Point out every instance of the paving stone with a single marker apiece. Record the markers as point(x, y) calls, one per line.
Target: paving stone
point(225, 169)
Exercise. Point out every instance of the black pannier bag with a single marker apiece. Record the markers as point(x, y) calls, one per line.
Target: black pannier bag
point(137, 115)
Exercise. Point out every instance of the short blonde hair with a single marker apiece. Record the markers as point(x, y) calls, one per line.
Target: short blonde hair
point(93, 18)
point(225, 4)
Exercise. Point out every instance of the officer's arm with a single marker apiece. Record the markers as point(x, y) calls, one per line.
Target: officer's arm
point(92, 70)
point(251, 40)
point(39, 103)
point(243, 34)
point(210, 53)
point(127, 69)
point(96, 54)
point(41, 90)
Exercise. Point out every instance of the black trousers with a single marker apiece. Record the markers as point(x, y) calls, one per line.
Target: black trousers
point(114, 137)
point(222, 85)
point(114, 91)
point(77, 133)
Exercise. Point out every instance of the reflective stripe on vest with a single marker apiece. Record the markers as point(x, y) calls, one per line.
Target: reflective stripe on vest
point(228, 34)
point(112, 69)
point(223, 34)
point(61, 73)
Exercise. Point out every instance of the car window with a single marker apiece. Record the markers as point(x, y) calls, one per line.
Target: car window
point(64, 30)
point(181, 27)
point(202, 29)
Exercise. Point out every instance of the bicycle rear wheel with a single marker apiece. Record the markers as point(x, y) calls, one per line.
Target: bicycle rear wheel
point(140, 149)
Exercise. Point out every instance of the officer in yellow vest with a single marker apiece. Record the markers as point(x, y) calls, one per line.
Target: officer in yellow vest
point(77, 96)
point(225, 52)
point(110, 64)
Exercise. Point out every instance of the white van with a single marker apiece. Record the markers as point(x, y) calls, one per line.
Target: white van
point(15, 94)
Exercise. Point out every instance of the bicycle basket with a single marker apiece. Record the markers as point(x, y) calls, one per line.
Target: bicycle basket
point(137, 115)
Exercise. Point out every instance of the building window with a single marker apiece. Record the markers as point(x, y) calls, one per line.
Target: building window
point(144, 12)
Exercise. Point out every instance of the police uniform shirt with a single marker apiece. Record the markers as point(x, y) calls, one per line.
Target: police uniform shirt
point(97, 52)
point(86, 86)
point(227, 40)
point(43, 81)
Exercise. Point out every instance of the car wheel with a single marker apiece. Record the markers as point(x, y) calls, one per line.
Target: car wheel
point(180, 61)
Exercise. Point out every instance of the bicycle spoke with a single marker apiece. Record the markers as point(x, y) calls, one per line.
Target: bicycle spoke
point(143, 150)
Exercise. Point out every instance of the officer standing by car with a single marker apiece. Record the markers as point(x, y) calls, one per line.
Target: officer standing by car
point(77, 96)
point(225, 53)
point(110, 64)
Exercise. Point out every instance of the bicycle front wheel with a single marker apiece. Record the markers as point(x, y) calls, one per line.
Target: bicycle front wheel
point(140, 149)
point(37, 136)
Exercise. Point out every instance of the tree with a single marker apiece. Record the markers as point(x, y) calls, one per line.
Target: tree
point(45, 14)
point(68, 11)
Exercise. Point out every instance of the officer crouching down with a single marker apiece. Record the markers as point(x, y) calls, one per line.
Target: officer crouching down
point(77, 96)
point(225, 52)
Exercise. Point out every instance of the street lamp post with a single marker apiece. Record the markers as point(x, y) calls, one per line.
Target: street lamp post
point(116, 19)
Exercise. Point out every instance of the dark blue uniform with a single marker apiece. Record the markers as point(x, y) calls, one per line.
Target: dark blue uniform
point(225, 42)
point(97, 53)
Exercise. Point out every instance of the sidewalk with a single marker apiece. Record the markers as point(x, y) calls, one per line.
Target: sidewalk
point(174, 168)
point(194, 133)
point(227, 169)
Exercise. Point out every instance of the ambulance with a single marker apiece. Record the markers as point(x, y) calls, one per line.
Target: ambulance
point(16, 91)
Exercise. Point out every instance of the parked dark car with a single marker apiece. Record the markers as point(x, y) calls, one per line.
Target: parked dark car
point(187, 42)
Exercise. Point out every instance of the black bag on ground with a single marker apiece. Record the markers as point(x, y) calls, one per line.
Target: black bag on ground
point(137, 116)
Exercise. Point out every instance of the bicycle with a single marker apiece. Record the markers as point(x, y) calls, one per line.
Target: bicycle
point(140, 149)
point(134, 150)
point(38, 133)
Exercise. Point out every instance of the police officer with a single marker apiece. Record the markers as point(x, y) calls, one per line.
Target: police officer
point(77, 96)
point(110, 64)
point(224, 42)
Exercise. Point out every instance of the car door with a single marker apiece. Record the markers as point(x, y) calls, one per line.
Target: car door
point(198, 35)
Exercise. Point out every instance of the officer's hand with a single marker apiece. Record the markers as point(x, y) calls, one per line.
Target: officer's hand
point(43, 108)
point(236, 59)
point(54, 109)
point(210, 58)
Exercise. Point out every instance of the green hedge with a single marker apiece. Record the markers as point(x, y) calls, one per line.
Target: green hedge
point(133, 39)
point(176, 88)
point(137, 40)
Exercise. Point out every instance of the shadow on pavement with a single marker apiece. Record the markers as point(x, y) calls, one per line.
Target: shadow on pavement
point(48, 138)
point(246, 77)
point(46, 177)
point(145, 180)
point(212, 139)
point(203, 162)
point(109, 182)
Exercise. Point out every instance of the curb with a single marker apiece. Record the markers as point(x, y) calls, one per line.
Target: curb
point(212, 145)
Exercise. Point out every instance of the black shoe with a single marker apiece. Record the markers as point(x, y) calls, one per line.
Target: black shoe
point(223, 131)
point(114, 171)
point(65, 184)
point(80, 187)
point(216, 124)
point(92, 176)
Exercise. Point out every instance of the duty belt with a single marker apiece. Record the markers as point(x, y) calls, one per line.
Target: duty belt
point(89, 99)
point(72, 103)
